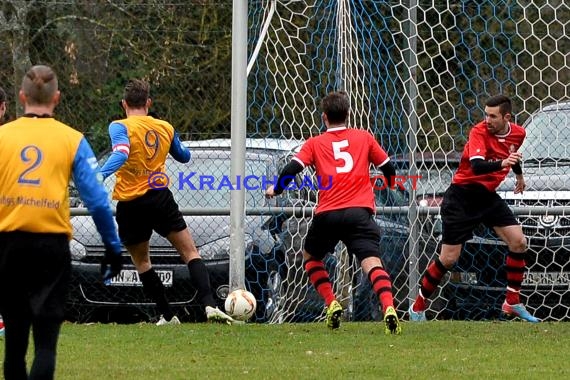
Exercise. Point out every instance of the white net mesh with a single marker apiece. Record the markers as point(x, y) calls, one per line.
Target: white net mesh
point(417, 74)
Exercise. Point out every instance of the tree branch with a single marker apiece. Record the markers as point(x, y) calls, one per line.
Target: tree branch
point(79, 18)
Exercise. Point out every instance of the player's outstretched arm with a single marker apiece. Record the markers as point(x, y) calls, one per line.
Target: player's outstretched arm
point(389, 171)
point(121, 149)
point(178, 150)
point(88, 181)
point(288, 173)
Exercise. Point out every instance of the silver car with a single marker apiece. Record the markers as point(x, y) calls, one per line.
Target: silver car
point(201, 185)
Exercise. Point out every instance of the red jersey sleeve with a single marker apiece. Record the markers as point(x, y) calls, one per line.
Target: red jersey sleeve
point(477, 143)
point(377, 155)
point(306, 154)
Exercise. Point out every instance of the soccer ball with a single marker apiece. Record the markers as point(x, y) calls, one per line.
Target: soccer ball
point(240, 304)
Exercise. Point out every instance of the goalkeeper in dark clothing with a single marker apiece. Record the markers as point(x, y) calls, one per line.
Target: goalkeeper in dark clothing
point(39, 156)
point(471, 199)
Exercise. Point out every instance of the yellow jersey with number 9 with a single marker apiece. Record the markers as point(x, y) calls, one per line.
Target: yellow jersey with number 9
point(150, 141)
point(37, 157)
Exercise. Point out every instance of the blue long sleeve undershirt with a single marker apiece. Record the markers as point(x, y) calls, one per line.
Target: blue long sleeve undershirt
point(119, 137)
point(179, 151)
point(87, 179)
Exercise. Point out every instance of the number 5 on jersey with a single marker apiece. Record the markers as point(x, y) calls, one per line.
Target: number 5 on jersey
point(339, 154)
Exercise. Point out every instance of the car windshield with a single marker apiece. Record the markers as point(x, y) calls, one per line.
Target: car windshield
point(206, 182)
point(390, 197)
point(431, 180)
point(547, 138)
point(429, 183)
point(211, 184)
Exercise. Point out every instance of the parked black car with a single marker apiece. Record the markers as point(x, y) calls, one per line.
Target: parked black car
point(206, 189)
point(477, 285)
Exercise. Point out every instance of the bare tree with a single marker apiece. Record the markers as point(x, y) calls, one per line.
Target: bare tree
point(183, 49)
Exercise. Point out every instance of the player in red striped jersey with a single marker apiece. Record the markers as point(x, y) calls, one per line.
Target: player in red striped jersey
point(471, 199)
point(341, 157)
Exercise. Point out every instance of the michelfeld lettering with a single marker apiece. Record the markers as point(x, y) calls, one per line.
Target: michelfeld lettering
point(34, 202)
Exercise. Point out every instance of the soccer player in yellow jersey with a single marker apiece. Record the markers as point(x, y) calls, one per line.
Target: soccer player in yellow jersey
point(39, 156)
point(140, 145)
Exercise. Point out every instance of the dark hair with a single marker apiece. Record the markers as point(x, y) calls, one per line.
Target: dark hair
point(336, 106)
point(502, 101)
point(2, 95)
point(39, 85)
point(136, 93)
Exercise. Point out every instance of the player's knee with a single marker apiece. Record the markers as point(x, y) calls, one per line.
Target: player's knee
point(449, 255)
point(518, 245)
point(447, 261)
point(189, 254)
point(307, 256)
point(369, 262)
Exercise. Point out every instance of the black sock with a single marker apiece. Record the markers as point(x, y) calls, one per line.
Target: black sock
point(16, 344)
point(46, 333)
point(155, 290)
point(200, 280)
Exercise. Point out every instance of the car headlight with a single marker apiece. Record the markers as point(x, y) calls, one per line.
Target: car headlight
point(78, 250)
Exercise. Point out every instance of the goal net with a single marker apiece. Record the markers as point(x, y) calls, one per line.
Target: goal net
point(417, 74)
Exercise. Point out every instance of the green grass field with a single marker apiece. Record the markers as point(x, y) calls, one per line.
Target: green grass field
point(431, 350)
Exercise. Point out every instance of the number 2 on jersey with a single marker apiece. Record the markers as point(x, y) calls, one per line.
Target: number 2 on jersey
point(31, 155)
point(341, 155)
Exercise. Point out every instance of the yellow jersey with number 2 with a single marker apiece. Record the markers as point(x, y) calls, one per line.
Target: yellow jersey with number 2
point(37, 156)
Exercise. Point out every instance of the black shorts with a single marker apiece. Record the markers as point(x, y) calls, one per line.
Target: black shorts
point(465, 207)
point(35, 271)
point(155, 210)
point(355, 227)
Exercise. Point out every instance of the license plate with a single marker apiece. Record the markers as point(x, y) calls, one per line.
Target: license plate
point(130, 277)
point(547, 278)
